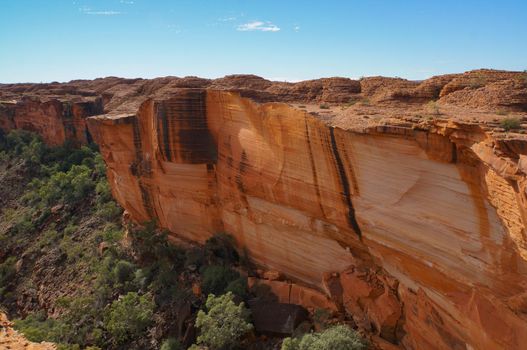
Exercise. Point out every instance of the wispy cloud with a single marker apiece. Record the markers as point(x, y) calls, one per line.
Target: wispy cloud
point(88, 11)
point(258, 26)
point(296, 28)
point(227, 19)
point(127, 2)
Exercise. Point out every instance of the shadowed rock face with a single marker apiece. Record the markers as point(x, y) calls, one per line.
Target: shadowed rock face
point(416, 227)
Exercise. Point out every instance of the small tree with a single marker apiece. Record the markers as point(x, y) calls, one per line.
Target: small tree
point(171, 344)
point(224, 323)
point(337, 337)
point(129, 316)
point(510, 123)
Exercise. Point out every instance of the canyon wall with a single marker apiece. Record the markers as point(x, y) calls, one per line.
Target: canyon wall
point(56, 121)
point(406, 214)
point(415, 230)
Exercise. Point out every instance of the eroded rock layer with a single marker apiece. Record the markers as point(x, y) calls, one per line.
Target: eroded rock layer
point(417, 231)
point(400, 203)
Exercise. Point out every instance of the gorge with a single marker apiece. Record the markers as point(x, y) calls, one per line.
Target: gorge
point(400, 203)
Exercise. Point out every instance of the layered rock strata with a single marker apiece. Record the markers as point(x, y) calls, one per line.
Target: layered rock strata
point(406, 215)
point(415, 230)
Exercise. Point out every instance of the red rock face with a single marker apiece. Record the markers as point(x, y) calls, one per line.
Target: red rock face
point(423, 227)
point(56, 121)
point(415, 227)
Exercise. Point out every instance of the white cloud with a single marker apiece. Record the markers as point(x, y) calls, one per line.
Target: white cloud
point(127, 2)
point(88, 11)
point(258, 26)
point(296, 28)
point(227, 19)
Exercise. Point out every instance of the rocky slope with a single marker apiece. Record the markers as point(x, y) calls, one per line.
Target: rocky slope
point(405, 213)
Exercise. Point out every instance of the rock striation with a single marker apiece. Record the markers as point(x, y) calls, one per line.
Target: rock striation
point(410, 220)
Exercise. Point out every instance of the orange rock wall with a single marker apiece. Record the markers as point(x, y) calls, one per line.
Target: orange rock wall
point(55, 121)
point(423, 230)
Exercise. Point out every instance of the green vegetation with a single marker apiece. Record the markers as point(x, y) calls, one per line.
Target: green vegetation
point(510, 123)
point(171, 344)
point(224, 323)
point(129, 316)
point(7, 272)
point(324, 106)
point(338, 337)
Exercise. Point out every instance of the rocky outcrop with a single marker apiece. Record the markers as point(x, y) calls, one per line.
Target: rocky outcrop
point(55, 120)
point(412, 223)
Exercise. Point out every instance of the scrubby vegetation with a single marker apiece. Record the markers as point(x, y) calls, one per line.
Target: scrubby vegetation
point(338, 337)
point(224, 322)
point(510, 123)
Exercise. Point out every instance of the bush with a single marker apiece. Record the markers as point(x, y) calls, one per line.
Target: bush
point(217, 278)
point(123, 271)
point(36, 327)
point(510, 123)
point(224, 323)
point(171, 344)
point(433, 108)
point(220, 249)
point(79, 321)
point(335, 338)
point(128, 317)
point(324, 106)
point(61, 187)
point(7, 273)
point(238, 287)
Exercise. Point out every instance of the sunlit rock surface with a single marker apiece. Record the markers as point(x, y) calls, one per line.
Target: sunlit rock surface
point(423, 225)
point(407, 215)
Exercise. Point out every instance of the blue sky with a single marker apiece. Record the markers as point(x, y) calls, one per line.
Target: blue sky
point(60, 40)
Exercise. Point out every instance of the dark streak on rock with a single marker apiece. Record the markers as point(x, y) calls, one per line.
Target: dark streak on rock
point(241, 171)
point(163, 128)
point(352, 220)
point(139, 168)
point(313, 169)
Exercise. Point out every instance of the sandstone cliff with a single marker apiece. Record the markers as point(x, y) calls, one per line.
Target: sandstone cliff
point(409, 217)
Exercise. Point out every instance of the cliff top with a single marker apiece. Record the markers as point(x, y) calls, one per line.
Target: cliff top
point(479, 96)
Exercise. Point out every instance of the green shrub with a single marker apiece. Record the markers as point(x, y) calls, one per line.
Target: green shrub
point(37, 328)
point(128, 317)
point(219, 249)
point(238, 287)
point(338, 337)
point(109, 211)
point(224, 323)
point(216, 278)
point(112, 233)
point(124, 271)
point(194, 257)
point(61, 187)
point(7, 273)
point(324, 106)
point(171, 344)
point(79, 321)
point(510, 123)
